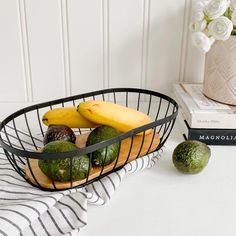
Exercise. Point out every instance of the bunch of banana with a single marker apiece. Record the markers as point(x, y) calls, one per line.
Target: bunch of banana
point(92, 113)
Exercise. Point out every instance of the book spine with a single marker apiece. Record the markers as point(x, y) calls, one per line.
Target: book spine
point(204, 120)
point(207, 136)
point(213, 136)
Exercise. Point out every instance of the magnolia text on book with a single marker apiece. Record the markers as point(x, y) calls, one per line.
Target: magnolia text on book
point(217, 137)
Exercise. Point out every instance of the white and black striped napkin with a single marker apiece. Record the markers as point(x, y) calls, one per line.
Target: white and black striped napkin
point(25, 210)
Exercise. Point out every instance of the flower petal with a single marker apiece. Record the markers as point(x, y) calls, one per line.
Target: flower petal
point(201, 41)
point(216, 8)
point(220, 28)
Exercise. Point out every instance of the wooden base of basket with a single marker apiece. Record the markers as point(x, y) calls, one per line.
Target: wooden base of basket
point(45, 182)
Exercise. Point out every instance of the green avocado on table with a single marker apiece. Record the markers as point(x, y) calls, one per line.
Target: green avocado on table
point(191, 156)
point(106, 155)
point(61, 169)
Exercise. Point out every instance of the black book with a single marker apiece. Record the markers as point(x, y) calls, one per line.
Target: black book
point(209, 136)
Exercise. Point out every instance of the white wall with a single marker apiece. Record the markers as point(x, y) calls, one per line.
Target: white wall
point(52, 49)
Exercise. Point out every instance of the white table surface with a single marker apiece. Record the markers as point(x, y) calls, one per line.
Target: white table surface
point(162, 201)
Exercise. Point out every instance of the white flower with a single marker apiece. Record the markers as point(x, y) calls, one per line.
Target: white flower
point(201, 41)
point(200, 25)
point(210, 22)
point(198, 16)
point(233, 19)
point(216, 8)
point(220, 28)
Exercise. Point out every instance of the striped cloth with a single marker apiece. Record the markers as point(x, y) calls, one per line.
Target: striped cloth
point(25, 210)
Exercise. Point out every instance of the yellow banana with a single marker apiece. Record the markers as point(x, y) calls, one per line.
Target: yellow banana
point(119, 117)
point(66, 116)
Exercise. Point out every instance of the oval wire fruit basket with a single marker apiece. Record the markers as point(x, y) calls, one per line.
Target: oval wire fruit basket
point(22, 134)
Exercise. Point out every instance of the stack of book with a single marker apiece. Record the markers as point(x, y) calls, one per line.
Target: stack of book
point(204, 119)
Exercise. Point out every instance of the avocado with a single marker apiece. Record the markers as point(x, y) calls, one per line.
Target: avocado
point(106, 155)
point(191, 156)
point(61, 170)
point(59, 132)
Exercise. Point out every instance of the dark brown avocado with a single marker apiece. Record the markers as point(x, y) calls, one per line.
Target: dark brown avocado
point(59, 132)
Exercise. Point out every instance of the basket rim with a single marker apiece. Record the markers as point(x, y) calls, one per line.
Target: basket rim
point(91, 148)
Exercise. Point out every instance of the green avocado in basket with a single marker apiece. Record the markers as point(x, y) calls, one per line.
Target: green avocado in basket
point(106, 155)
point(60, 169)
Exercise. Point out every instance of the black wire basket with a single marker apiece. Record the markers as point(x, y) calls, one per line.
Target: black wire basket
point(22, 133)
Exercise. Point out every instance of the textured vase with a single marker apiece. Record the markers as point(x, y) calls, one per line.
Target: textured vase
point(220, 72)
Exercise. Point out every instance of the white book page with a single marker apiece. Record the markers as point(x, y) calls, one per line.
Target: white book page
point(195, 91)
point(185, 98)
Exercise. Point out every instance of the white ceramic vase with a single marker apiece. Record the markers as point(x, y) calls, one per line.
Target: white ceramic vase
point(220, 72)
